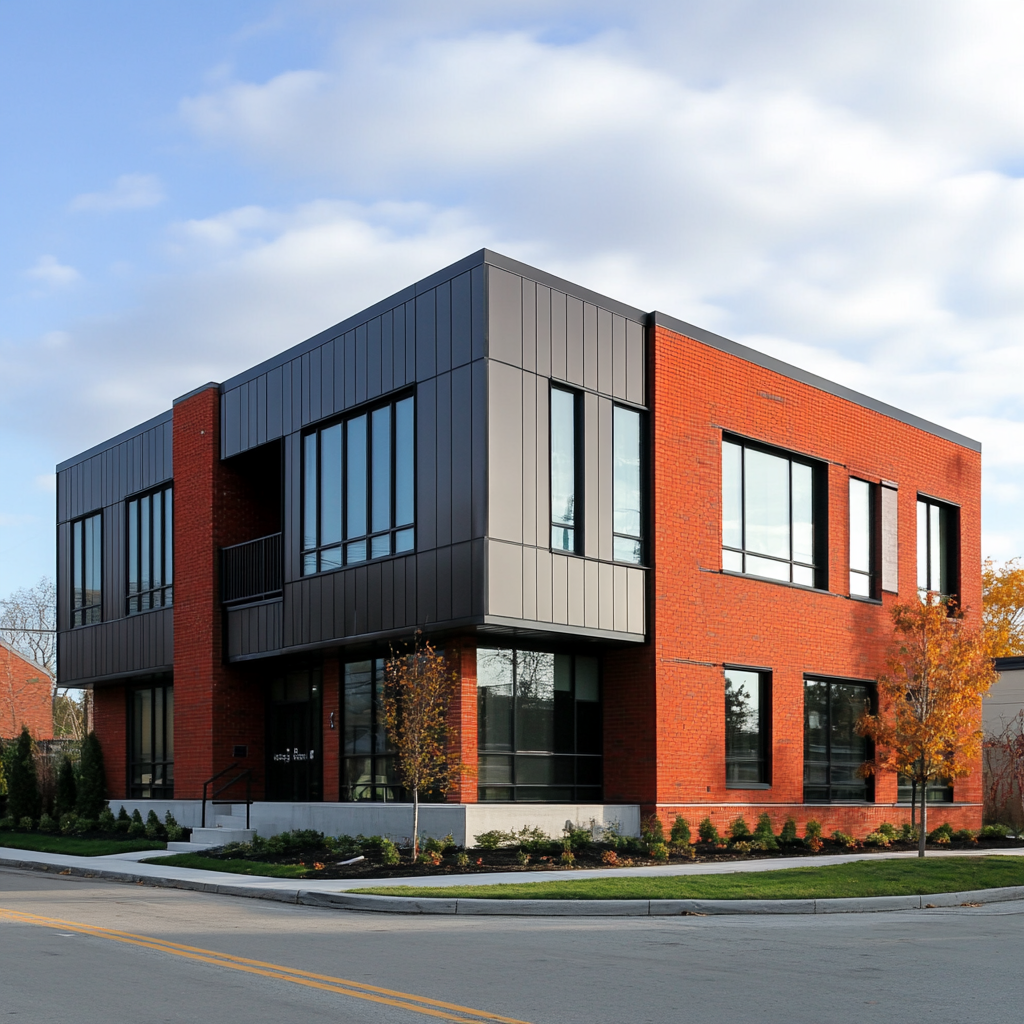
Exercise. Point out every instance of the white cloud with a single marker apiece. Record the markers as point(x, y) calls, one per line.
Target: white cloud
point(46, 482)
point(51, 271)
point(129, 192)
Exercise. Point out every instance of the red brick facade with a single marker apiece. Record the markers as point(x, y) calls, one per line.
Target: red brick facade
point(25, 696)
point(110, 723)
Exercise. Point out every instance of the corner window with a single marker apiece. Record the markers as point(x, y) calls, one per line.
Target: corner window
point(151, 767)
point(566, 516)
point(747, 704)
point(359, 488)
point(773, 514)
point(367, 763)
point(627, 540)
point(538, 726)
point(863, 545)
point(150, 551)
point(86, 571)
point(833, 750)
point(938, 554)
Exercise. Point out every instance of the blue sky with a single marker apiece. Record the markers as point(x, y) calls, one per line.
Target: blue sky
point(187, 188)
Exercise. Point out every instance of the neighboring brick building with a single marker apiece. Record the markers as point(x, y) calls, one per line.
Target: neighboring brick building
point(665, 562)
point(25, 696)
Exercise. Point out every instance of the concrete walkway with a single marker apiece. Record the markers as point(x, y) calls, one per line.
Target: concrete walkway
point(131, 867)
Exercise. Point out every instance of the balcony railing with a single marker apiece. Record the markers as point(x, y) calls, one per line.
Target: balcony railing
point(251, 571)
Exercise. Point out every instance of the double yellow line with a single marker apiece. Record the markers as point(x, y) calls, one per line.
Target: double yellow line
point(324, 982)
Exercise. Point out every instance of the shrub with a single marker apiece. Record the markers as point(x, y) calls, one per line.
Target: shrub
point(877, 838)
point(47, 824)
point(994, 831)
point(6, 824)
point(908, 833)
point(172, 829)
point(123, 820)
point(812, 835)
point(68, 822)
point(943, 834)
point(707, 832)
point(495, 838)
point(441, 846)
point(91, 798)
point(568, 858)
point(659, 853)
point(83, 825)
point(577, 839)
point(841, 838)
point(965, 835)
point(680, 835)
point(137, 828)
point(610, 857)
point(788, 833)
point(888, 830)
point(378, 849)
point(612, 835)
point(739, 831)
point(764, 837)
point(67, 788)
point(23, 799)
point(652, 831)
point(106, 820)
point(462, 859)
point(741, 846)
point(431, 857)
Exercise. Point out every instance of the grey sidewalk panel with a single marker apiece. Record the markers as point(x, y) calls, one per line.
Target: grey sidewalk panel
point(867, 904)
point(555, 908)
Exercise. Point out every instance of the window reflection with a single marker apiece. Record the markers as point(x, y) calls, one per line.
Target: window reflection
point(746, 700)
point(626, 485)
point(833, 750)
point(563, 470)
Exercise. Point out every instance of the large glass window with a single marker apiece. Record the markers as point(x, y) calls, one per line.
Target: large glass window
point(150, 551)
point(833, 750)
point(565, 490)
point(939, 791)
point(86, 571)
point(367, 762)
point(863, 546)
point(627, 542)
point(539, 726)
point(747, 706)
point(359, 488)
point(773, 523)
point(151, 767)
point(937, 548)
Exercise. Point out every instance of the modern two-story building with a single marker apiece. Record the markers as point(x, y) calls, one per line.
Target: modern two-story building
point(662, 562)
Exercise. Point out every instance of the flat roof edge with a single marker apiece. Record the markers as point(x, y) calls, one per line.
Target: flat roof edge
point(117, 439)
point(751, 355)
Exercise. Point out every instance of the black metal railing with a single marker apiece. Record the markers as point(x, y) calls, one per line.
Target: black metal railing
point(245, 774)
point(251, 571)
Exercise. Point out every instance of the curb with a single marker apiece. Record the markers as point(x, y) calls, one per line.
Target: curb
point(546, 908)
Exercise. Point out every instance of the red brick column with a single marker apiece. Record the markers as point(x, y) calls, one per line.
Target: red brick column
point(462, 722)
point(110, 723)
point(330, 682)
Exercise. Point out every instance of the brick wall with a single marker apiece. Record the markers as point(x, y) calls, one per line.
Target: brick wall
point(110, 723)
point(462, 720)
point(331, 693)
point(667, 703)
point(25, 697)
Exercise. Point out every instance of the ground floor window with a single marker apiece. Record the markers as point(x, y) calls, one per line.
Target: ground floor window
point(833, 750)
point(939, 792)
point(747, 703)
point(151, 746)
point(539, 726)
point(294, 737)
point(367, 763)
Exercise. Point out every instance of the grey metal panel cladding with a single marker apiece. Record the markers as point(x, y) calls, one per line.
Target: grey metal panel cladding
point(505, 316)
point(136, 644)
point(890, 540)
point(462, 482)
point(593, 528)
point(443, 454)
point(505, 451)
point(574, 340)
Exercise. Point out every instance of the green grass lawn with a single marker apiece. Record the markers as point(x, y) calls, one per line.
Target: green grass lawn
point(76, 846)
point(860, 878)
point(235, 867)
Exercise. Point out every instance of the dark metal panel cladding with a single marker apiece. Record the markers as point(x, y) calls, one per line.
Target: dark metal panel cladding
point(387, 591)
point(351, 611)
point(261, 410)
point(479, 372)
point(339, 373)
point(243, 416)
point(462, 320)
point(462, 453)
point(505, 432)
point(113, 562)
point(361, 363)
point(444, 584)
point(426, 465)
point(605, 378)
point(426, 335)
point(505, 316)
point(387, 351)
point(336, 581)
point(443, 320)
point(479, 296)
point(362, 598)
point(574, 340)
point(275, 405)
point(313, 384)
point(304, 384)
point(559, 358)
point(426, 590)
point(618, 388)
point(398, 596)
point(542, 503)
point(253, 412)
point(461, 584)
point(543, 331)
point(411, 341)
point(373, 598)
point(591, 477)
point(296, 371)
point(326, 624)
point(605, 524)
point(398, 343)
point(529, 325)
point(530, 457)
point(327, 406)
point(635, 389)
point(350, 369)
point(63, 574)
point(373, 358)
point(590, 346)
point(443, 531)
point(292, 458)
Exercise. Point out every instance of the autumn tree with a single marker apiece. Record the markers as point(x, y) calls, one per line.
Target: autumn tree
point(1003, 603)
point(927, 724)
point(419, 686)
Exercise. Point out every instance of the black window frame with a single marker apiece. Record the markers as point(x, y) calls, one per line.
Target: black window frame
point(160, 728)
point(874, 572)
point(939, 791)
point(762, 760)
point(153, 597)
point(85, 613)
point(835, 765)
point(819, 514)
point(638, 539)
point(951, 549)
point(312, 559)
point(577, 472)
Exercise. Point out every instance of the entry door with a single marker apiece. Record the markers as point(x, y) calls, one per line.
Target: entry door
point(295, 762)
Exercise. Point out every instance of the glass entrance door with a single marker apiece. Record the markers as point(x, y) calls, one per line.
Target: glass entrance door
point(294, 738)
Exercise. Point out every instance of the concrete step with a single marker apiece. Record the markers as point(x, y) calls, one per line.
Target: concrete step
point(229, 821)
point(221, 836)
point(187, 847)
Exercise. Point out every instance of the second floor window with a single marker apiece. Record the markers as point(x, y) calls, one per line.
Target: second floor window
point(86, 561)
point(150, 551)
point(863, 557)
point(627, 540)
point(565, 490)
point(359, 488)
point(937, 548)
point(773, 520)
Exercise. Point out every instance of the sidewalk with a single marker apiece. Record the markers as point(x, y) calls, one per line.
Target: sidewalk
point(131, 867)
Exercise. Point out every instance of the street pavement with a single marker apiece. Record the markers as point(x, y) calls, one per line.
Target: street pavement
point(173, 955)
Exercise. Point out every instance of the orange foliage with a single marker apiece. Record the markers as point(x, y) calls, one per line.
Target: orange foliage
point(1003, 603)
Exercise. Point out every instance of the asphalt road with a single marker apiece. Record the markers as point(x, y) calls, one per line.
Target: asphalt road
point(79, 951)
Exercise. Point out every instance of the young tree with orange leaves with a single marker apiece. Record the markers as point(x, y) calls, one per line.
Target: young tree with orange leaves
point(418, 689)
point(929, 699)
point(1002, 592)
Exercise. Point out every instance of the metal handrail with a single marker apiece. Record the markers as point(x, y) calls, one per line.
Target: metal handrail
point(251, 571)
point(245, 773)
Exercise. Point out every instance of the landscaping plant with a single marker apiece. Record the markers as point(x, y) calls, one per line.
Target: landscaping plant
point(91, 796)
point(66, 797)
point(680, 835)
point(764, 836)
point(23, 800)
point(707, 832)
